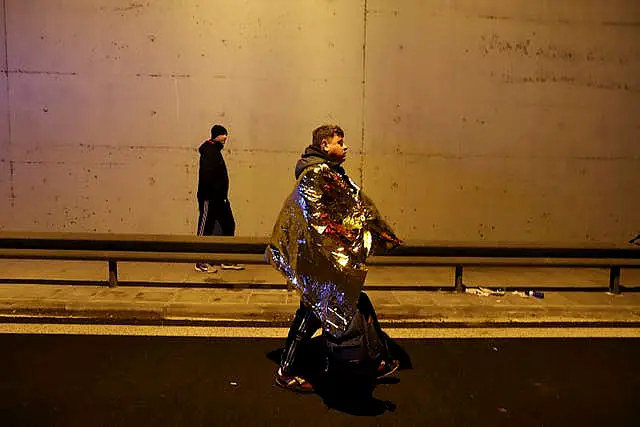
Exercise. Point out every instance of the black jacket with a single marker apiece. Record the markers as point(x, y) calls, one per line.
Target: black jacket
point(213, 179)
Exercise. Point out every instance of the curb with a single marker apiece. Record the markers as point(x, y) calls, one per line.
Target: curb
point(283, 320)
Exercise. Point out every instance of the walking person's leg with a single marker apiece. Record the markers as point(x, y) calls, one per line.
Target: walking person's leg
point(224, 214)
point(304, 325)
point(203, 207)
point(206, 224)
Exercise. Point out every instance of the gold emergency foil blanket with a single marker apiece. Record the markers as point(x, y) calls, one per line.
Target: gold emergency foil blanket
point(321, 240)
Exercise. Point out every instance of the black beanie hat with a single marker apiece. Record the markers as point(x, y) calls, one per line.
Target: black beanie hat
point(218, 130)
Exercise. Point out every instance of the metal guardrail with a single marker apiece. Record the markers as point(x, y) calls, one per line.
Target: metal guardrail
point(250, 250)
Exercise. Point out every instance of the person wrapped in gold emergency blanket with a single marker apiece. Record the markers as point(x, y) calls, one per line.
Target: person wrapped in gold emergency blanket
point(321, 239)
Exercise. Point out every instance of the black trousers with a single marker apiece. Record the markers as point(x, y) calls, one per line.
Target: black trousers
point(304, 325)
point(212, 211)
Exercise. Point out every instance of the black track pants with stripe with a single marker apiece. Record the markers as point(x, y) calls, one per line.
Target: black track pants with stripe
point(304, 325)
point(212, 211)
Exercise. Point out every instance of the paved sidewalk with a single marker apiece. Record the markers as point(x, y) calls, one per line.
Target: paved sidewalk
point(402, 296)
point(133, 304)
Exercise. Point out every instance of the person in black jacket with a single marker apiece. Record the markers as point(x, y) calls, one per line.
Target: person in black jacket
point(213, 192)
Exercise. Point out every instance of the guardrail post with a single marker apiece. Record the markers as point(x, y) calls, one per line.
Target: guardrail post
point(458, 283)
point(113, 273)
point(614, 280)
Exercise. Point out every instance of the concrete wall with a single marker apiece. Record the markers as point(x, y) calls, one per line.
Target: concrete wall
point(6, 210)
point(504, 119)
point(510, 120)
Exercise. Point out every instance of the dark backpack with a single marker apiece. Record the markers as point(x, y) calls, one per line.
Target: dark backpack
point(361, 348)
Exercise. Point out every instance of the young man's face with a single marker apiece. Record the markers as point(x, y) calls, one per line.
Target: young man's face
point(336, 148)
point(221, 139)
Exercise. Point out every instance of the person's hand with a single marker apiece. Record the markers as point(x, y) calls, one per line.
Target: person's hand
point(390, 240)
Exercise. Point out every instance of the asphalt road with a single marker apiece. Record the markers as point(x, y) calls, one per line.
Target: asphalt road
point(78, 380)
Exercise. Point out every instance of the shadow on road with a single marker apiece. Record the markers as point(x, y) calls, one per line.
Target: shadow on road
point(348, 391)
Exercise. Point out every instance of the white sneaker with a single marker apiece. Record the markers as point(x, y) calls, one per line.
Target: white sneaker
point(232, 267)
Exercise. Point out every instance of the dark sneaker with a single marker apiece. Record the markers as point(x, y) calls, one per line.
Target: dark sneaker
point(232, 267)
point(387, 368)
point(205, 268)
point(293, 383)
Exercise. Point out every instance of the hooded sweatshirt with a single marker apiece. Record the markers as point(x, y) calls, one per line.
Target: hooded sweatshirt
point(314, 156)
point(213, 179)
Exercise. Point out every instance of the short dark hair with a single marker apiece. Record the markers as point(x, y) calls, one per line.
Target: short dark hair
point(325, 132)
point(218, 130)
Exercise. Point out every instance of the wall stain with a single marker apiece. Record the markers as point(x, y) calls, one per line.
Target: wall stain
point(495, 17)
point(495, 44)
point(132, 6)
point(621, 24)
point(12, 190)
point(92, 147)
point(562, 21)
point(158, 75)
point(550, 78)
point(53, 73)
point(119, 46)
